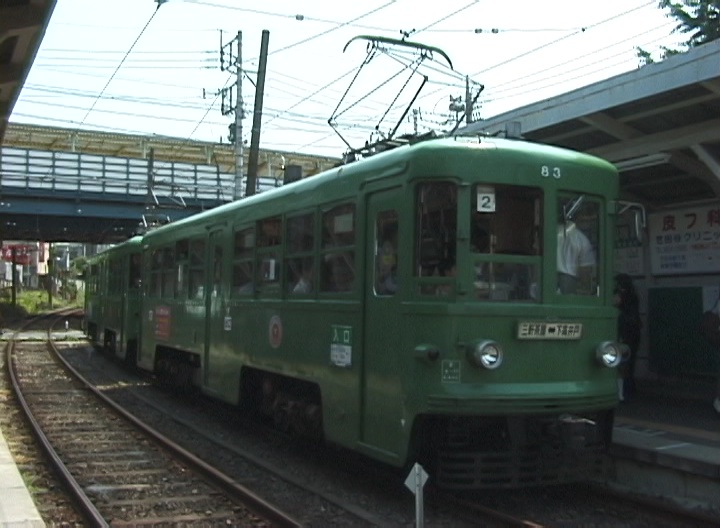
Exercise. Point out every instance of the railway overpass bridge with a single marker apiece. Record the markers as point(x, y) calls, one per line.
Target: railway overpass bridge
point(80, 186)
point(61, 185)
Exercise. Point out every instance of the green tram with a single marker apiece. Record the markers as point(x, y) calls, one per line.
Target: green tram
point(447, 302)
point(112, 299)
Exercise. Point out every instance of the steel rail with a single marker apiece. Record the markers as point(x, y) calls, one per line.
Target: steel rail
point(240, 493)
point(83, 502)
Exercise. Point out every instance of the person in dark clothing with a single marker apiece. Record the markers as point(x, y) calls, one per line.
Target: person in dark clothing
point(629, 330)
point(710, 329)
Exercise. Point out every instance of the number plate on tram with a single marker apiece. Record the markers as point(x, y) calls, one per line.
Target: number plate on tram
point(541, 330)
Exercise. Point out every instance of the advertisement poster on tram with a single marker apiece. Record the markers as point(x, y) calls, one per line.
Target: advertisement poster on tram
point(685, 241)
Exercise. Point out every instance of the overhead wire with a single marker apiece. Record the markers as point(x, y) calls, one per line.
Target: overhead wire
point(328, 87)
point(582, 30)
point(142, 31)
point(525, 86)
point(291, 46)
point(565, 37)
point(340, 25)
point(533, 50)
point(440, 20)
point(384, 29)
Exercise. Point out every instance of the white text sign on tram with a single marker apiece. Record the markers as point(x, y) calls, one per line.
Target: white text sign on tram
point(543, 330)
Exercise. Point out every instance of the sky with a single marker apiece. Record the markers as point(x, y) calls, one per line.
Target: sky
point(136, 67)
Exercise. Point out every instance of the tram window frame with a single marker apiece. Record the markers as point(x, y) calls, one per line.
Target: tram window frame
point(217, 269)
point(135, 271)
point(154, 286)
point(243, 277)
point(387, 224)
point(435, 246)
point(506, 242)
point(182, 268)
point(93, 278)
point(115, 276)
point(337, 249)
point(196, 280)
point(587, 217)
point(168, 272)
point(300, 262)
point(268, 256)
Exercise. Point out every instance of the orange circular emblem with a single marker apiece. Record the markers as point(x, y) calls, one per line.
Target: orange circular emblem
point(275, 331)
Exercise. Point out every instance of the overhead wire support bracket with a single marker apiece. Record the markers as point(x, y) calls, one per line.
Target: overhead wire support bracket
point(374, 41)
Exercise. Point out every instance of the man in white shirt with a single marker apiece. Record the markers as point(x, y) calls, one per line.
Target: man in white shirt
point(575, 260)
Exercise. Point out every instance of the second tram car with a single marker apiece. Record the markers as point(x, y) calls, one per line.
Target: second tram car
point(112, 298)
point(447, 302)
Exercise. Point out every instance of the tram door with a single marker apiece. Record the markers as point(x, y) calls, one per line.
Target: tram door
point(382, 362)
point(213, 309)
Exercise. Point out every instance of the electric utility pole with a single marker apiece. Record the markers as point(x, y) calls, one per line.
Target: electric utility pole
point(257, 116)
point(234, 63)
point(468, 102)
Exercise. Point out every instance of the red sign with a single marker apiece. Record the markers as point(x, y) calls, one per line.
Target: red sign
point(162, 323)
point(22, 254)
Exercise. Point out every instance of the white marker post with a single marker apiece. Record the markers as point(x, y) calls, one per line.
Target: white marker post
point(415, 482)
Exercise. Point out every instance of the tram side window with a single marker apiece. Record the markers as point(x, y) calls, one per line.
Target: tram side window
point(337, 273)
point(506, 242)
point(386, 253)
point(197, 269)
point(300, 257)
point(269, 238)
point(217, 270)
point(92, 285)
point(154, 288)
point(243, 264)
point(115, 285)
point(578, 248)
point(135, 271)
point(182, 268)
point(435, 236)
point(168, 272)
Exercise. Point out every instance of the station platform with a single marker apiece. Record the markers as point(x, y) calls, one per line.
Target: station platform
point(666, 443)
point(17, 508)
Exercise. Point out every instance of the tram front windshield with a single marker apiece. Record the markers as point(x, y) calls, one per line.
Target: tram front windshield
point(506, 242)
point(501, 258)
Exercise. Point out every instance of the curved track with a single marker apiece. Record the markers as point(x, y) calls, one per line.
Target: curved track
point(119, 470)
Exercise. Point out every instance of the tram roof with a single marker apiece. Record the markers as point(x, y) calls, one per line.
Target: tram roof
point(660, 125)
point(388, 163)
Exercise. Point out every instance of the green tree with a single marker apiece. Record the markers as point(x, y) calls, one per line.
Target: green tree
point(78, 265)
point(699, 19)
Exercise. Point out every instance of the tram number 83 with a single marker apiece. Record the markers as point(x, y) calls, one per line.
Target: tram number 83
point(546, 171)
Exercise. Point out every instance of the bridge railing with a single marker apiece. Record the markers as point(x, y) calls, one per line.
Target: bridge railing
point(110, 175)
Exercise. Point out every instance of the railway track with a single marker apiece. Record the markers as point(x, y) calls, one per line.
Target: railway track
point(120, 471)
point(308, 493)
point(360, 504)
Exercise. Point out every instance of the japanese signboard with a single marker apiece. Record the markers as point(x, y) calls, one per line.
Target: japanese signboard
point(341, 346)
point(22, 254)
point(628, 249)
point(685, 241)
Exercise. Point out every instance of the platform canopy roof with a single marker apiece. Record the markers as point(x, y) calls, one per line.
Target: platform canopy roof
point(22, 27)
point(660, 125)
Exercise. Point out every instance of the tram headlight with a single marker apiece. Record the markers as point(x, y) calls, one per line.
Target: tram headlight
point(486, 353)
point(609, 354)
